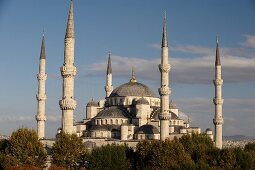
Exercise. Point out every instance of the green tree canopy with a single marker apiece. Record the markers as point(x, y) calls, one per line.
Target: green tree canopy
point(23, 149)
point(110, 157)
point(68, 151)
point(162, 155)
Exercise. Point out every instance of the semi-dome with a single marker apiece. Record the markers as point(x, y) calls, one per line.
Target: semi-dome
point(132, 89)
point(147, 129)
point(112, 112)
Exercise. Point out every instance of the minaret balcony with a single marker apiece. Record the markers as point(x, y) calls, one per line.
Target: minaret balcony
point(68, 71)
point(164, 116)
point(218, 101)
point(218, 121)
point(41, 76)
point(67, 104)
point(40, 117)
point(218, 82)
point(163, 91)
point(41, 97)
point(164, 68)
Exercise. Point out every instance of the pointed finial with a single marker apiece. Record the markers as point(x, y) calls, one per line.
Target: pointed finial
point(217, 61)
point(109, 65)
point(133, 79)
point(164, 36)
point(70, 23)
point(42, 54)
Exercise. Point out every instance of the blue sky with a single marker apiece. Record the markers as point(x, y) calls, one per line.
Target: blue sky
point(132, 30)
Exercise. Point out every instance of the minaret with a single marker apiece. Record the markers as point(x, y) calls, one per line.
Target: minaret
point(68, 72)
point(164, 90)
point(218, 101)
point(108, 88)
point(41, 96)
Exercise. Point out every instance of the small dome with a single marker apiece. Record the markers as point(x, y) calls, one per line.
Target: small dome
point(147, 129)
point(132, 89)
point(112, 112)
point(157, 112)
point(172, 105)
point(142, 101)
point(92, 103)
point(208, 129)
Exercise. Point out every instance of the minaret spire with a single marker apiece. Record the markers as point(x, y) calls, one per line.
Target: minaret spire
point(70, 23)
point(218, 100)
point(108, 87)
point(164, 90)
point(217, 61)
point(164, 36)
point(109, 64)
point(68, 72)
point(41, 95)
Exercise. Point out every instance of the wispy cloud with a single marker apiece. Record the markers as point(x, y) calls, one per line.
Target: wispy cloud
point(249, 41)
point(193, 49)
point(26, 118)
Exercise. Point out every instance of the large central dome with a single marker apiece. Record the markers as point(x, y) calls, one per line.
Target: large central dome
point(132, 89)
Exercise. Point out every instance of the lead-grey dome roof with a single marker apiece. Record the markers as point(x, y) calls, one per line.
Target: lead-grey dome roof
point(132, 89)
point(142, 101)
point(92, 103)
point(147, 129)
point(112, 112)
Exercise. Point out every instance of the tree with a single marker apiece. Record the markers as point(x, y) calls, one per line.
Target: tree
point(109, 157)
point(22, 150)
point(68, 151)
point(162, 155)
point(250, 148)
point(197, 145)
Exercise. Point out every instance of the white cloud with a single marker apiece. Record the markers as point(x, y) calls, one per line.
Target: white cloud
point(238, 114)
point(199, 70)
point(249, 41)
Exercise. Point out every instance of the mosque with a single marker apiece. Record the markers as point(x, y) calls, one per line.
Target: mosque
point(131, 111)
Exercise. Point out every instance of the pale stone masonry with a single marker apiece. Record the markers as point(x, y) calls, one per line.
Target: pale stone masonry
point(41, 95)
point(218, 100)
point(108, 87)
point(68, 72)
point(164, 90)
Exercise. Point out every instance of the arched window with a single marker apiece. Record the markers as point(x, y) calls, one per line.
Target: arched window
point(101, 121)
point(111, 121)
point(117, 121)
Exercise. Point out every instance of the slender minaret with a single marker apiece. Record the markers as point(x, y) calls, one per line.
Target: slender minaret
point(68, 72)
point(218, 100)
point(108, 87)
point(164, 90)
point(41, 96)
